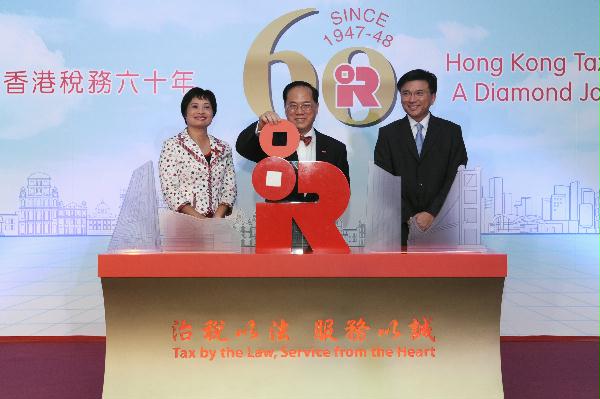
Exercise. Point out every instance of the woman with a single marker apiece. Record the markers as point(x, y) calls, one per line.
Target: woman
point(196, 169)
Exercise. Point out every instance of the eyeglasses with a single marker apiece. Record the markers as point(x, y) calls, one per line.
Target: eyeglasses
point(418, 94)
point(293, 107)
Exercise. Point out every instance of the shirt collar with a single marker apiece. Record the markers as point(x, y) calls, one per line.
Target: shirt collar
point(310, 133)
point(215, 146)
point(424, 122)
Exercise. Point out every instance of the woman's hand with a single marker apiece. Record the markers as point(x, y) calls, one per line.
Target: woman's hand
point(189, 210)
point(222, 211)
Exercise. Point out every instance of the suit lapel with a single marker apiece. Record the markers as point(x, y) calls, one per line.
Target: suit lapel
point(407, 138)
point(190, 146)
point(321, 150)
point(293, 157)
point(431, 136)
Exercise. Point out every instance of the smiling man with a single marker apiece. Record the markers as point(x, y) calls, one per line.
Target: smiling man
point(301, 101)
point(425, 151)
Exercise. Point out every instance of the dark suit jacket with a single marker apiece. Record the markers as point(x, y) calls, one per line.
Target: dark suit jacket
point(328, 150)
point(427, 179)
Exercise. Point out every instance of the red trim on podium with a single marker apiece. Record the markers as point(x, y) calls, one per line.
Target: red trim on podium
point(212, 264)
point(94, 338)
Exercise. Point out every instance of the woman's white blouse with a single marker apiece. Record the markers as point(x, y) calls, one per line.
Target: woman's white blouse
point(187, 178)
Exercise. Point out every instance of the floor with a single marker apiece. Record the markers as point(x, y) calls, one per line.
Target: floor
point(75, 370)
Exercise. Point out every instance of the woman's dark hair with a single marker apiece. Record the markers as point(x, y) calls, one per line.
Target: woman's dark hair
point(197, 92)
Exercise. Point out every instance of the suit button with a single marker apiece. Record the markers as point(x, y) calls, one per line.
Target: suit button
point(420, 184)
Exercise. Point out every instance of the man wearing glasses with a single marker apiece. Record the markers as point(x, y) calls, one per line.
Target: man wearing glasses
point(423, 149)
point(301, 102)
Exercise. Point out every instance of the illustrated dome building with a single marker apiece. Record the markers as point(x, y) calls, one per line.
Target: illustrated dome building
point(41, 213)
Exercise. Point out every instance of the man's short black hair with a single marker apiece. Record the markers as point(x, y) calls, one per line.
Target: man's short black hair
point(419, 74)
point(296, 83)
point(197, 92)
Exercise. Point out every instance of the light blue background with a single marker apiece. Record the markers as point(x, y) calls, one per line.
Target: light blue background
point(89, 144)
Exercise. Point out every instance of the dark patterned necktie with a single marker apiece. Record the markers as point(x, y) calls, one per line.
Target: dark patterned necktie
point(306, 139)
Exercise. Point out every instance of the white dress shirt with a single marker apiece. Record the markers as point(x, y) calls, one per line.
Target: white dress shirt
point(413, 126)
point(308, 153)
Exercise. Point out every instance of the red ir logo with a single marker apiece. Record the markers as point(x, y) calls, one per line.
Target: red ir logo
point(361, 82)
point(274, 178)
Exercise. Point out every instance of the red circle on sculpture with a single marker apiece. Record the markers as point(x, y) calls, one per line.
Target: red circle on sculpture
point(274, 178)
point(266, 139)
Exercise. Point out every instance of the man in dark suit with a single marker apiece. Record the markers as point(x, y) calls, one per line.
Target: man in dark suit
point(421, 148)
point(301, 102)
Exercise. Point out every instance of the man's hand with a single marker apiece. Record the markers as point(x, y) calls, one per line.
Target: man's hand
point(423, 220)
point(268, 117)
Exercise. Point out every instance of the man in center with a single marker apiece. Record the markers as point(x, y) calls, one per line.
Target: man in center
point(301, 101)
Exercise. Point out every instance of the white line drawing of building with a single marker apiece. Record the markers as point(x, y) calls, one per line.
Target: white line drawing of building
point(9, 224)
point(354, 236)
point(569, 209)
point(38, 207)
point(72, 219)
point(42, 213)
point(102, 221)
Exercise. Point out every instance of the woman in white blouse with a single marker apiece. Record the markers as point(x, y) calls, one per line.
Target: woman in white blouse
point(196, 169)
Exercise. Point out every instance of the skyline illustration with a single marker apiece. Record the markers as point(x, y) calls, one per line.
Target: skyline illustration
point(567, 209)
